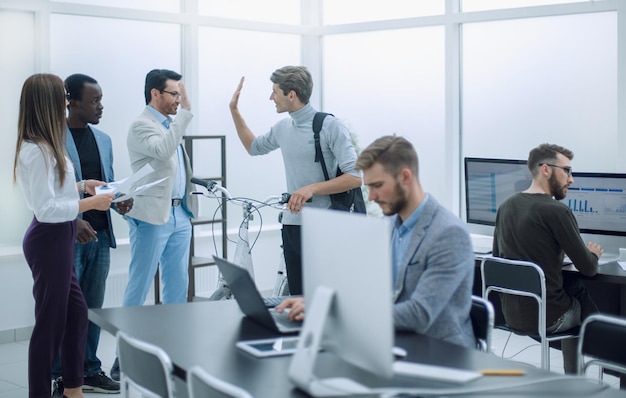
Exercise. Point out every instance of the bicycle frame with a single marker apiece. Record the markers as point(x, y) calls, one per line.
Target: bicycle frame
point(243, 250)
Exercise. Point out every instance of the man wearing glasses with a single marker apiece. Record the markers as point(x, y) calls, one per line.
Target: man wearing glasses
point(160, 221)
point(534, 226)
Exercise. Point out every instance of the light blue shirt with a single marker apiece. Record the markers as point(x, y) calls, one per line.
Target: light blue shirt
point(401, 236)
point(178, 189)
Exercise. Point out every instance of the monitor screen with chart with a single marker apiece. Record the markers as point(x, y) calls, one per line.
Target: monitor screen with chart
point(488, 183)
point(598, 201)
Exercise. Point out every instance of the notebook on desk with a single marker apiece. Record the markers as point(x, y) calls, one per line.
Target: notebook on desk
point(250, 301)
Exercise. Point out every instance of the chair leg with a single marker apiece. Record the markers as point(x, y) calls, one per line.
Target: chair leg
point(601, 375)
point(545, 354)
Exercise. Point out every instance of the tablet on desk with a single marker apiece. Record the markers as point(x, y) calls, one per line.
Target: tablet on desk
point(269, 347)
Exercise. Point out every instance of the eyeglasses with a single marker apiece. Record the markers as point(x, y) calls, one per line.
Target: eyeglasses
point(173, 94)
point(67, 96)
point(568, 170)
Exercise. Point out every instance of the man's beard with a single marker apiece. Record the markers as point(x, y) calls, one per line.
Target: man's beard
point(558, 191)
point(398, 202)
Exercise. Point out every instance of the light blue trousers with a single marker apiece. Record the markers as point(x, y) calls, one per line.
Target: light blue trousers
point(151, 245)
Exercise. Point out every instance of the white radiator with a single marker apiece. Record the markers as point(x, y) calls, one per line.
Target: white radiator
point(206, 282)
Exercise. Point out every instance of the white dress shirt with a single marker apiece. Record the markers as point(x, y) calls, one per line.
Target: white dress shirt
point(38, 176)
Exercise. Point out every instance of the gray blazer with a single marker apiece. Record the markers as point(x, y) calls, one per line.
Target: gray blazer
point(149, 142)
point(432, 293)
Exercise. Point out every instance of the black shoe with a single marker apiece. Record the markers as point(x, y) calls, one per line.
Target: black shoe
point(57, 388)
point(115, 370)
point(100, 383)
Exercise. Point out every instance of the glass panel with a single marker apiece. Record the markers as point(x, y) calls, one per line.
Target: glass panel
point(17, 63)
point(392, 82)
point(118, 54)
point(555, 83)
point(480, 5)
point(225, 56)
point(348, 11)
point(152, 5)
point(278, 11)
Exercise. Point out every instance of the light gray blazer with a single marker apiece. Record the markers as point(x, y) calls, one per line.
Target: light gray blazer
point(432, 293)
point(149, 142)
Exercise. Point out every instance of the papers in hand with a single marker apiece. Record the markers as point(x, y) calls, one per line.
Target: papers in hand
point(126, 186)
point(137, 190)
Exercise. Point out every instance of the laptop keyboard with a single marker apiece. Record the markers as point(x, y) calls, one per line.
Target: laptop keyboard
point(273, 301)
point(281, 319)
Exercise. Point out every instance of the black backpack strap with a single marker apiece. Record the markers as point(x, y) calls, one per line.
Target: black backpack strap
point(318, 120)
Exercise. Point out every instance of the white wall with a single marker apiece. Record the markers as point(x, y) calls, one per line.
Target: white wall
point(526, 75)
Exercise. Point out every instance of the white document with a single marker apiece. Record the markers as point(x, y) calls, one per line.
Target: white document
point(125, 185)
point(137, 190)
point(112, 187)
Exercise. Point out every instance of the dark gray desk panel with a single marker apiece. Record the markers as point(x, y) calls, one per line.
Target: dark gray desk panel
point(607, 273)
point(205, 333)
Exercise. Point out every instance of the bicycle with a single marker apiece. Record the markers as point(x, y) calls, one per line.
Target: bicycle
point(243, 249)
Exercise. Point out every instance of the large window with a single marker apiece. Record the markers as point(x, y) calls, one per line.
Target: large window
point(16, 64)
point(277, 11)
point(480, 5)
point(118, 54)
point(224, 57)
point(538, 80)
point(391, 82)
point(151, 5)
point(348, 11)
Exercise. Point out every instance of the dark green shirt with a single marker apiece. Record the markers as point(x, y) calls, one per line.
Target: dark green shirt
point(538, 228)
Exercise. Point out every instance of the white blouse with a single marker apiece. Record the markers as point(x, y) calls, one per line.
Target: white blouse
point(39, 178)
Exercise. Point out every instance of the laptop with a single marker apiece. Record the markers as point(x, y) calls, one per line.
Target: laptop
point(250, 301)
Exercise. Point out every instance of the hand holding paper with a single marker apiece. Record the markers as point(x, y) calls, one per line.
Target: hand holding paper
point(126, 186)
point(138, 189)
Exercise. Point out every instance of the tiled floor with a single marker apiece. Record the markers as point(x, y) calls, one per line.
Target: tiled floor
point(14, 371)
point(527, 350)
point(13, 361)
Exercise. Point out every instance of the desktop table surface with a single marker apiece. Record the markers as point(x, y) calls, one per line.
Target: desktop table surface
point(204, 333)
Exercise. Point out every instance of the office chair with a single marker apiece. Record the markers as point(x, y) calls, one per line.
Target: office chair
point(145, 367)
point(201, 384)
point(602, 342)
point(522, 278)
point(482, 316)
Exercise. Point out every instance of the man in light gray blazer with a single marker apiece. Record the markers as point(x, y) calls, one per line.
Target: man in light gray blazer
point(160, 225)
point(433, 261)
point(160, 221)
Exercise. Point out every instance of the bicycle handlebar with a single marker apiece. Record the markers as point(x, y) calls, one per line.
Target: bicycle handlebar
point(213, 186)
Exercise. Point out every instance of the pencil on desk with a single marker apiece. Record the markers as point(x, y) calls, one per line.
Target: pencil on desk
point(503, 372)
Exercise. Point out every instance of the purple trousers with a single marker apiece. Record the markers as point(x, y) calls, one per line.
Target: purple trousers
point(60, 308)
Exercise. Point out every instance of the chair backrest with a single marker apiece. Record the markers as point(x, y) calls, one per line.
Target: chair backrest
point(602, 340)
point(522, 278)
point(201, 384)
point(482, 316)
point(144, 366)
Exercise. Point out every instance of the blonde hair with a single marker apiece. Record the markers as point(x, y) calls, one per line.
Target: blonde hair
point(41, 119)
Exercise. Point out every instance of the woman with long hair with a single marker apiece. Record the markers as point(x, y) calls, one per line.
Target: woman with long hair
point(46, 177)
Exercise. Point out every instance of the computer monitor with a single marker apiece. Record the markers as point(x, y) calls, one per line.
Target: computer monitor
point(488, 183)
point(598, 201)
point(346, 261)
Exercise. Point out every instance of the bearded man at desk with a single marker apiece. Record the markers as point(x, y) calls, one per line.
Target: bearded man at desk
point(534, 226)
